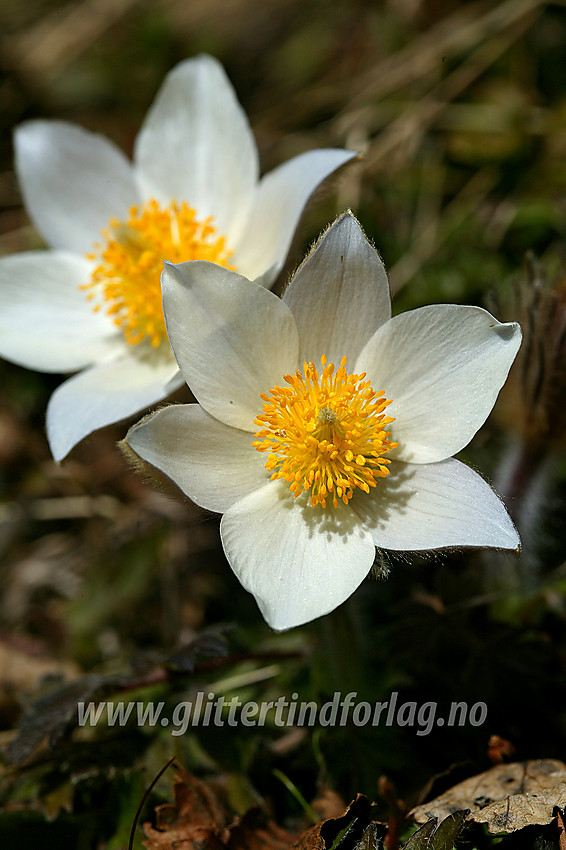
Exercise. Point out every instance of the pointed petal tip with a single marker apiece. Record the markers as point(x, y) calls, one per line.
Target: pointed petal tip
point(347, 220)
point(339, 295)
point(201, 59)
point(169, 270)
point(298, 565)
point(281, 197)
point(283, 621)
point(508, 331)
point(510, 541)
point(21, 132)
point(134, 460)
point(104, 394)
point(514, 546)
point(59, 450)
point(273, 622)
point(196, 118)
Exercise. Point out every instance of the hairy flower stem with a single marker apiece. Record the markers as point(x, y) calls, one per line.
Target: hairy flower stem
point(524, 481)
point(341, 649)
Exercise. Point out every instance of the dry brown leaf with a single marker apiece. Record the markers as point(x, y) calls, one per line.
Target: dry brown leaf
point(199, 820)
point(195, 819)
point(507, 797)
point(322, 835)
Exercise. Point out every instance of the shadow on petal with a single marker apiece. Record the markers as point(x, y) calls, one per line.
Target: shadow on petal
point(391, 496)
point(374, 509)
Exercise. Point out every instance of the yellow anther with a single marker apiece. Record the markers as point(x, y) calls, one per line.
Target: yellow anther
point(318, 426)
point(127, 276)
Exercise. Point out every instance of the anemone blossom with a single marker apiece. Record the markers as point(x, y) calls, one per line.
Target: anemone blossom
point(325, 427)
point(92, 303)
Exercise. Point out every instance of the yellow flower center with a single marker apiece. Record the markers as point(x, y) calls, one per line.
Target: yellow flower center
point(128, 271)
point(325, 433)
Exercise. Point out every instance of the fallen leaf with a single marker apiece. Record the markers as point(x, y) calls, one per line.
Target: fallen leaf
point(195, 818)
point(507, 797)
point(444, 835)
point(523, 810)
point(433, 837)
point(419, 839)
point(198, 819)
point(372, 838)
point(344, 831)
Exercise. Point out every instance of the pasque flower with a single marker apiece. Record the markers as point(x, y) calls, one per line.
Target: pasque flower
point(93, 302)
point(325, 427)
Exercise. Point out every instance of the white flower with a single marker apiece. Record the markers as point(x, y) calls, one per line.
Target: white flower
point(194, 184)
point(328, 435)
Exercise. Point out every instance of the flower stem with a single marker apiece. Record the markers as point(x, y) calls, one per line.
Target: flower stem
point(341, 649)
point(524, 481)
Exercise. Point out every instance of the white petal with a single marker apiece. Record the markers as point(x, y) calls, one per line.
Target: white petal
point(176, 382)
point(46, 322)
point(432, 506)
point(73, 182)
point(103, 395)
point(443, 367)
point(232, 338)
point(196, 145)
point(278, 205)
point(213, 464)
point(340, 295)
point(298, 561)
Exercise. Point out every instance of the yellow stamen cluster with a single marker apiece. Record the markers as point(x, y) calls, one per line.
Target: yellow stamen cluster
point(128, 271)
point(325, 433)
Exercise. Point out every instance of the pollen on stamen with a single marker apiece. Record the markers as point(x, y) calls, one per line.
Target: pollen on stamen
point(126, 280)
point(325, 433)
